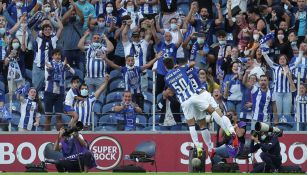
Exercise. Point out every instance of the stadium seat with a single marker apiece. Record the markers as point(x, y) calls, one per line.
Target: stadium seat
point(147, 108)
point(117, 85)
point(79, 73)
point(114, 97)
point(97, 107)
point(115, 74)
point(108, 119)
point(141, 121)
point(51, 155)
point(150, 75)
point(108, 107)
point(65, 119)
point(157, 117)
point(144, 153)
point(106, 128)
point(2, 86)
point(147, 96)
point(15, 118)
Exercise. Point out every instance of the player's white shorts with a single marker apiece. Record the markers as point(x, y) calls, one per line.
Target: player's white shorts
point(196, 105)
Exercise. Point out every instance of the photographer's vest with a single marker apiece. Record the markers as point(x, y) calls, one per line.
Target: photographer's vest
point(71, 149)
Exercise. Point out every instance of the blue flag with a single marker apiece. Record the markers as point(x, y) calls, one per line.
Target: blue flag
point(23, 90)
point(266, 38)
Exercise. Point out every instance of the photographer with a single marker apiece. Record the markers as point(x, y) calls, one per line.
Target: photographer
point(270, 155)
point(75, 151)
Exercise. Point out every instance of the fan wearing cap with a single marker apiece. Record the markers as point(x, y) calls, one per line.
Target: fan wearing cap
point(199, 51)
point(227, 150)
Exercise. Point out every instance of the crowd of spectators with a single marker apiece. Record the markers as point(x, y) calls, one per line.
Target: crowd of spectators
point(115, 45)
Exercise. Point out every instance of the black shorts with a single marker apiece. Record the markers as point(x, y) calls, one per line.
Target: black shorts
point(53, 101)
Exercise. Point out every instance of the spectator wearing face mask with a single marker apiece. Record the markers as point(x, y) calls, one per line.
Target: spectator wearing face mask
point(84, 107)
point(129, 8)
point(281, 44)
point(73, 21)
point(95, 66)
point(175, 32)
point(301, 20)
point(17, 8)
point(15, 63)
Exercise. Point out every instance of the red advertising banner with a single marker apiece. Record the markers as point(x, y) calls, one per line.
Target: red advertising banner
point(16, 150)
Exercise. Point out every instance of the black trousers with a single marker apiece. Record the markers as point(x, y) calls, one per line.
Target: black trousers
point(73, 165)
point(160, 84)
point(270, 163)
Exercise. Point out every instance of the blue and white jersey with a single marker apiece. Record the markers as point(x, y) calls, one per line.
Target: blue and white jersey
point(192, 73)
point(280, 78)
point(234, 87)
point(178, 80)
point(138, 50)
point(148, 8)
point(54, 77)
point(3, 49)
point(28, 113)
point(262, 102)
point(132, 79)
point(301, 68)
point(99, 7)
point(95, 66)
point(84, 109)
point(169, 50)
point(44, 48)
point(70, 97)
point(301, 106)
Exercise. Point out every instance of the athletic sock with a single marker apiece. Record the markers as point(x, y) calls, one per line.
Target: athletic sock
point(218, 119)
point(228, 124)
point(194, 135)
point(207, 138)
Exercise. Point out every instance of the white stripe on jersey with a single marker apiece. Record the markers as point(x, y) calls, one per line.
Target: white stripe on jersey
point(27, 115)
point(38, 54)
point(84, 109)
point(95, 67)
point(301, 109)
point(260, 111)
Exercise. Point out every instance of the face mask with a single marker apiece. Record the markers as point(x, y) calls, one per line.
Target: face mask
point(47, 9)
point(173, 26)
point(73, 18)
point(101, 24)
point(109, 9)
point(256, 37)
point(84, 92)
point(19, 4)
point(96, 45)
point(281, 37)
point(130, 9)
point(263, 137)
point(222, 42)
point(293, 43)
point(129, 67)
point(15, 46)
point(2, 31)
point(200, 40)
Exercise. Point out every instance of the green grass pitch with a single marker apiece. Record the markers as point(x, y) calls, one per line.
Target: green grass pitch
point(149, 173)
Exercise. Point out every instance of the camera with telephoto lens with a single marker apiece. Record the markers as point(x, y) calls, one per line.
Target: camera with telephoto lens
point(78, 127)
point(254, 133)
point(263, 127)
